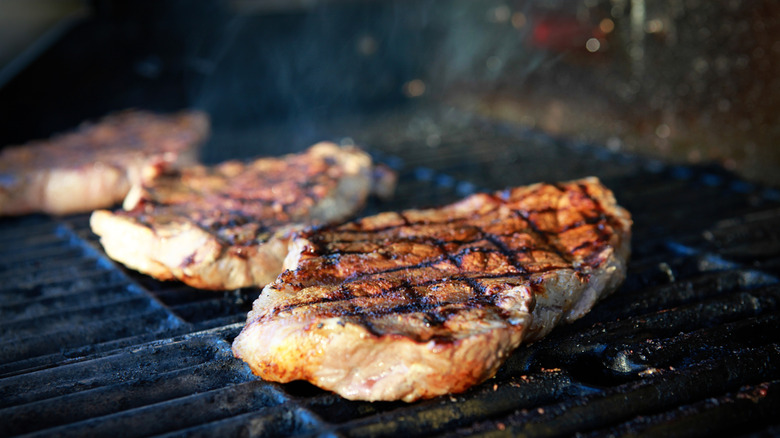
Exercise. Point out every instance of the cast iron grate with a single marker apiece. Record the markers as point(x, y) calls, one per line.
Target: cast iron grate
point(687, 346)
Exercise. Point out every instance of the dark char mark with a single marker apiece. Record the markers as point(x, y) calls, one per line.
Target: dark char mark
point(434, 312)
point(543, 236)
point(603, 234)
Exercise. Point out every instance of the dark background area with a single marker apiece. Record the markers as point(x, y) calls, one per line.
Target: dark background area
point(686, 81)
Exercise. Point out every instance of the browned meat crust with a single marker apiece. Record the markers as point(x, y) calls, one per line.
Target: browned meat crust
point(95, 166)
point(427, 302)
point(227, 226)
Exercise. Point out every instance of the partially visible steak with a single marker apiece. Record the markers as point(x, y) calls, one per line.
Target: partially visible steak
point(421, 303)
point(95, 166)
point(227, 226)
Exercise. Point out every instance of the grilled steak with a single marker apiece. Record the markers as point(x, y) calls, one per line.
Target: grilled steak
point(95, 166)
point(421, 303)
point(227, 226)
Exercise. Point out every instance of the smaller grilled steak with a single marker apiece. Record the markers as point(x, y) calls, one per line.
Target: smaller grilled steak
point(95, 166)
point(227, 226)
point(422, 303)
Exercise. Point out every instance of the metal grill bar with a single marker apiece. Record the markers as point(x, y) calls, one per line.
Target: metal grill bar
point(71, 377)
point(281, 420)
point(27, 309)
point(37, 256)
point(88, 281)
point(47, 342)
point(487, 401)
point(174, 414)
point(659, 325)
point(694, 346)
point(55, 320)
point(734, 414)
point(117, 397)
point(668, 390)
point(683, 291)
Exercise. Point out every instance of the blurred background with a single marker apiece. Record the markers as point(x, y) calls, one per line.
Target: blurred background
point(686, 81)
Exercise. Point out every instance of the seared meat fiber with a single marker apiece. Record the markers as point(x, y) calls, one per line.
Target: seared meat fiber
point(427, 302)
point(227, 226)
point(95, 166)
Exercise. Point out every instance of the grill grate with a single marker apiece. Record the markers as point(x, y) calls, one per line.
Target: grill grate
point(688, 346)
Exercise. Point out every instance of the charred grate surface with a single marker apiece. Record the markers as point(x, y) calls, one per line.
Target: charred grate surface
point(59, 296)
point(146, 390)
point(688, 346)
